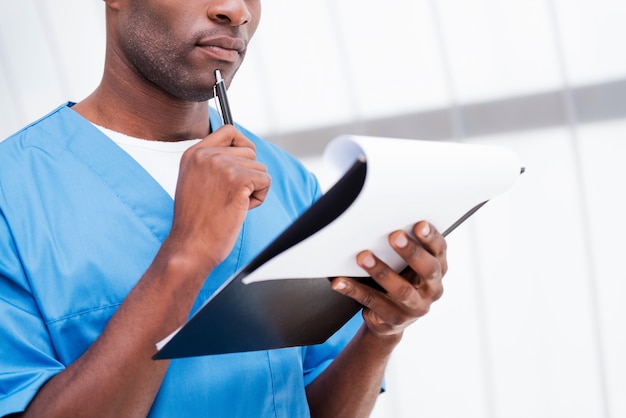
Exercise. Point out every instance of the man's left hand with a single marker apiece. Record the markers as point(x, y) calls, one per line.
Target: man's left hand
point(407, 295)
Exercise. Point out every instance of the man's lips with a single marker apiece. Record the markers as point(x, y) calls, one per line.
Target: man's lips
point(223, 48)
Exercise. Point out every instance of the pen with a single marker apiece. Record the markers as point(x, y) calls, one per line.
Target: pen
point(219, 91)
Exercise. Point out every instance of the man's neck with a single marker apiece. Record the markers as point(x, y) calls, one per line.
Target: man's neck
point(144, 112)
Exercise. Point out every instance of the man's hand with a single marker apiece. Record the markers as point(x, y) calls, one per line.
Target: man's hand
point(350, 385)
point(219, 181)
point(409, 295)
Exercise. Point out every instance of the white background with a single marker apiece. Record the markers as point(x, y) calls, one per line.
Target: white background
point(532, 323)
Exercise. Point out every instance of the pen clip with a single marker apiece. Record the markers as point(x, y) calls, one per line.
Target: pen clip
point(219, 93)
point(217, 102)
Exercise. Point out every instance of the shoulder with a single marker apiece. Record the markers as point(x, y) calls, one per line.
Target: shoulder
point(58, 123)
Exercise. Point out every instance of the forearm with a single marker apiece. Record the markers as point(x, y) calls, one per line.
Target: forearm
point(350, 386)
point(219, 181)
point(116, 376)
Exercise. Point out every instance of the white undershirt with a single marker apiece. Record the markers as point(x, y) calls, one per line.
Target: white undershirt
point(159, 158)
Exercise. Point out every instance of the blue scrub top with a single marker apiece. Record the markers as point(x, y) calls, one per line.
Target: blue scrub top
point(80, 221)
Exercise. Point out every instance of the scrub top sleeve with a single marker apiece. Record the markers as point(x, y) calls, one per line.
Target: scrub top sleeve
point(27, 357)
point(318, 357)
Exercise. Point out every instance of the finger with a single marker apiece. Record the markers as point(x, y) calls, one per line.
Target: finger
point(426, 269)
point(433, 242)
point(261, 187)
point(252, 175)
point(382, 309)
point(402, 292)
point(228, 158)
point(232, 168)
point(227, 136)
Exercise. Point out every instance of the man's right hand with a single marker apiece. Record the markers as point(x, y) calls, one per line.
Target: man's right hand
point(219, 181)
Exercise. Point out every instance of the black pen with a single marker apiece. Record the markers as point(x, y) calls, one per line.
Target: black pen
point(220, 93)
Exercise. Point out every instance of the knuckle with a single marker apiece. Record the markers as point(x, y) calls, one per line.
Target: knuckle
point(422, 308)
point(378, 324)
point(248, 153)
point(230, 171)
point(351, 291)
point(190, 155)
point(380, 274)
point(434, 270)
point(406, 295)
point(366, 298)
point(205, 154)
point(437, 292)
point(230, 129)
point(375, 321)
point(443, 266)
point(433, 275)
point(397, 319)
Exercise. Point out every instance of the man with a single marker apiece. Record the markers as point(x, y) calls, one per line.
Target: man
point(98, 262)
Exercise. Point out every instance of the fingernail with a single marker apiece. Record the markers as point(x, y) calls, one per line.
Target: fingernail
point(368, 261)
point(426, 230)
point(339, 285)
point(401, 241)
